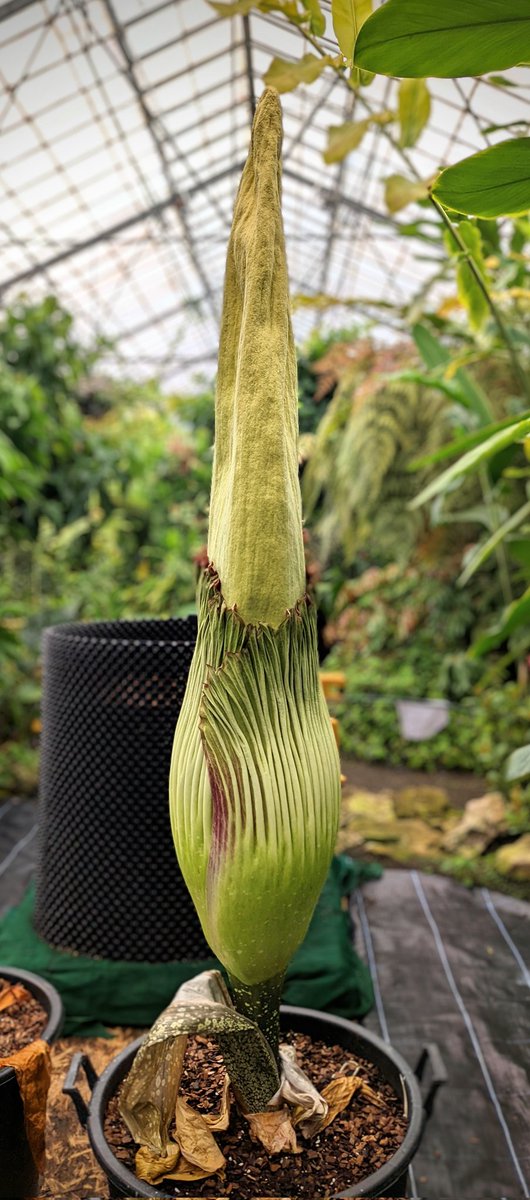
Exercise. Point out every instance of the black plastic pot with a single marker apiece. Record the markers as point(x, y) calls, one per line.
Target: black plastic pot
point(18, 1174)
point(390, 1180)
point(111, 698)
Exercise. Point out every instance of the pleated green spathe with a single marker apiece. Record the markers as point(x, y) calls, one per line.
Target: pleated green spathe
point(254, 786)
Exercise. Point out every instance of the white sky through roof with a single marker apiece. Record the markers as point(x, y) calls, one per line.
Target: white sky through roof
point(124, 125)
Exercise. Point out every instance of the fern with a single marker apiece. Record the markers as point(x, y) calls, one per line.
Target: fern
point(357, 483)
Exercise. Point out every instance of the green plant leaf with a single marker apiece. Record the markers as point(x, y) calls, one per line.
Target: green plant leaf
point(518, 764)
point(469, 291)
point(513, 617)
point(289, 8)
point(414, 38)
point(483, 551)
point(471, 395)
point(317, 20)
point(414, 107)
point(465, 442)
point(493, 183)
point(430, 348)
point(231, 9)
point(348, 16)
point(400, 191)
point(324, 300)
point(342, 139)
point(521, 124)
point(519, 548)
point(358, 78)
point(502, 82)
point(468, 462)
point(285, 76)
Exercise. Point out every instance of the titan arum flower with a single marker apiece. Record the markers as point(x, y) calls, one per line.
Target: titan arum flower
point(254, 787)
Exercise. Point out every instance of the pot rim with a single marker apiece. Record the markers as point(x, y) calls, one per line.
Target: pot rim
point(88, 632)
point(372, 1184)
point(47, 995)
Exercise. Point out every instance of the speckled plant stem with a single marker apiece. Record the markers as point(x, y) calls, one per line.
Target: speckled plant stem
point(261, 1003)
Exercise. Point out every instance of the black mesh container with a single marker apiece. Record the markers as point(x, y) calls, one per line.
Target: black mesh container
point(108, 883)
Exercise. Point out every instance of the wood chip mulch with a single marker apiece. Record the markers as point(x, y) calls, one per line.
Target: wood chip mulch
point(71, 1170)
point(21, 1023)
point(359, 1141)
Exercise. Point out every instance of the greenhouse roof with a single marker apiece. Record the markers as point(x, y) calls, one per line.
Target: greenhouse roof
point(123, 130)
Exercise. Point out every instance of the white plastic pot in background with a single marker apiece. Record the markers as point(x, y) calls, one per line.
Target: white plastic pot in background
point(422, 719)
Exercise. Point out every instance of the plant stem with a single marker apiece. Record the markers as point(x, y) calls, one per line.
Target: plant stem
point(252, 1068)
point(261, 1003)
point(496, 314)
point(500, 552)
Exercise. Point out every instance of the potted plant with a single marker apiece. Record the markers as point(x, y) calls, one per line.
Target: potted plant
point(31, 1017)
point(255, 777)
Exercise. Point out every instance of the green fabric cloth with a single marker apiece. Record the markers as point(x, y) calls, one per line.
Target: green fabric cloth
point(325, 973)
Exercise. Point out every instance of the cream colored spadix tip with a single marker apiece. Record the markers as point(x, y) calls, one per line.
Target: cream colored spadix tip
point(255, 535)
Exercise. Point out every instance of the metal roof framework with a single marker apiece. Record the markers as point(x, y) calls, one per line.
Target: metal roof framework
point(124, 126)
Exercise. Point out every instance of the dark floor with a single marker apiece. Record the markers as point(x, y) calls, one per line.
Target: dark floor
point(448, 968)
point(447, 965)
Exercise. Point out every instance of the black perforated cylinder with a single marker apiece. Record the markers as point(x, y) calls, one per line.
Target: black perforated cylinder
point(108, 883)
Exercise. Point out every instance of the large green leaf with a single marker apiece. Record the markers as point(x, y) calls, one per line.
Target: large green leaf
point(518, 764)
point(414, 107)
point(471, 460)
point(483, 551)
point(513, 617)
point(415, 38)
point(493, 183)
point(347, 17)
point(463, 443)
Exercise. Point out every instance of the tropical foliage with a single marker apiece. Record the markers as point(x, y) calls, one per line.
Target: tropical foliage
point(104, 491)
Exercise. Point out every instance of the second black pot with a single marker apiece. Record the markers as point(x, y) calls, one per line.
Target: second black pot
point(390, 1180)
point(18, 1173)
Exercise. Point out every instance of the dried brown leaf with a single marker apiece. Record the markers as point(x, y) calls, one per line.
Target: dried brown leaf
point(154, 1167)
point(32, 1066)
point(196, 1140)
point(13, 993)
point(274, 1130)
point(338, 1094)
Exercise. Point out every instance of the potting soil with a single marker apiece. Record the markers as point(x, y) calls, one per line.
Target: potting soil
point(22, 1017)
point(358, 1141)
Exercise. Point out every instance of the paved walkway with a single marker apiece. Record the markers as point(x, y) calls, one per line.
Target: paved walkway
point(448, 967)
